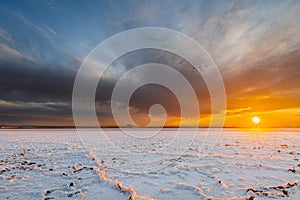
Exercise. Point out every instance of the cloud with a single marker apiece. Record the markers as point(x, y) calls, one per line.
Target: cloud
point(238, 111)
point(255, 44)
point(35, 82)
point(6, 38)
point(6, 51)
point(52, 31)
point(33, 113)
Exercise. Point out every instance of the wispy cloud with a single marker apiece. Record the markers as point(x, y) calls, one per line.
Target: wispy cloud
point(51, 31)
point(6, 38)
point(6, 51)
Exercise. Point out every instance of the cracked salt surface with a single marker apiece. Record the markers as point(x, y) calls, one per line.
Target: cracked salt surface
point(54, 164)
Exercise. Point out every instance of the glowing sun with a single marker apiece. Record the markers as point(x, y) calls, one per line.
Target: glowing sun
point(255, 120)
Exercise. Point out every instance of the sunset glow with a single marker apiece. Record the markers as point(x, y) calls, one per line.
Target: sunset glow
point(258, 60)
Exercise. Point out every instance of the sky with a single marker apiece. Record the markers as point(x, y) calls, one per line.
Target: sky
point(255, 44)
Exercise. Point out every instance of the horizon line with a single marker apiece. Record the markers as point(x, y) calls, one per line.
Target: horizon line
point(74, 127)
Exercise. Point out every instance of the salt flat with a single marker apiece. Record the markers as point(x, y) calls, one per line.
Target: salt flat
point(55, 164)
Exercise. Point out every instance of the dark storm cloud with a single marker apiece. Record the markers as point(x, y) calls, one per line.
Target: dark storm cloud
point(31, 82)
point(34, 92)
point(151, 94)
point(34, 112)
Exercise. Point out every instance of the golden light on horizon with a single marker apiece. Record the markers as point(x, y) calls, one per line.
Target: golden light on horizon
point(256, 120)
